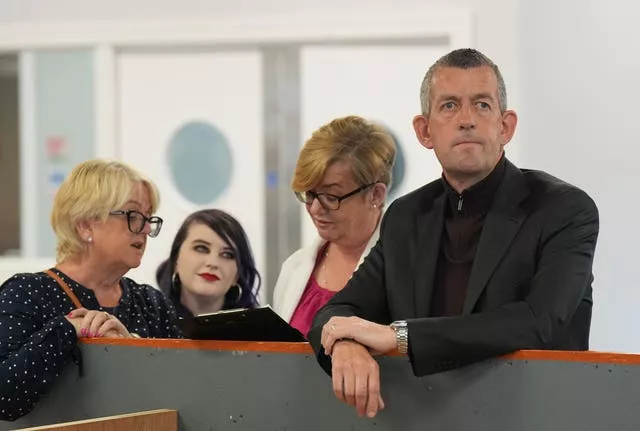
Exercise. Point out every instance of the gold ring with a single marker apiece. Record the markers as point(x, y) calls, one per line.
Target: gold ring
point(333, 327)
point(107, 314)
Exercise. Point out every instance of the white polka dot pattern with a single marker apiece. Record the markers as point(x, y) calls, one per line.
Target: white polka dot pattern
point(36, 340)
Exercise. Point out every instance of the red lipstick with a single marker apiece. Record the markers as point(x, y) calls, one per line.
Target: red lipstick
point(209, 277)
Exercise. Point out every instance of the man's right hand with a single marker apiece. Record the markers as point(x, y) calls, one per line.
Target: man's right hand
point(356, 377)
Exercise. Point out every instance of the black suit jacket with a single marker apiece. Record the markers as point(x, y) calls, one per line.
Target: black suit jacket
point(530, 284)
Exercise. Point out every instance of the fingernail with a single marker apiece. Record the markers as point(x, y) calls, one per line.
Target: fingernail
point(70, 313)
point(371, 414)
point(83, 331)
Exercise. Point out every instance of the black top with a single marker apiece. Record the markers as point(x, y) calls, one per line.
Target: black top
point(36, 340)
point(463, 220)
point(181, 311)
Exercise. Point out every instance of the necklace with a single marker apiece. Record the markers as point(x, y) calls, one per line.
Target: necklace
point(324, 269)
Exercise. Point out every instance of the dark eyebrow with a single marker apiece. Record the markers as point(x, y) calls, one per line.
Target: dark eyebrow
point(444, 97)
point(483, 96)
point(199, 241)
point(457, 99)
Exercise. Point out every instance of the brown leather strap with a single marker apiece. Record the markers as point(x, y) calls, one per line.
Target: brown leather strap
point(65, 287)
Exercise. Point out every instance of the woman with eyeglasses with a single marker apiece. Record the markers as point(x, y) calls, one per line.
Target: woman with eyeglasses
point(102, 217)
point(210, 266)
point(342, 176)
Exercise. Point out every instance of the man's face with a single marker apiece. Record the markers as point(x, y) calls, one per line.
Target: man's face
point(465, 127)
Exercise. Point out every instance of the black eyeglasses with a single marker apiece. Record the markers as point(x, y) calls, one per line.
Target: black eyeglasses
point(327, 200)
point(136, 221)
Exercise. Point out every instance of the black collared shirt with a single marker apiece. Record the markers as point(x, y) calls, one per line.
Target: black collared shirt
point(463, 222)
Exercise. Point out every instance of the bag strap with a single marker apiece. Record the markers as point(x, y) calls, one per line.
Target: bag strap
point(65, 287)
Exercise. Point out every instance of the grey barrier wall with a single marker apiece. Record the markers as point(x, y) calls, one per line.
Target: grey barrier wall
point(259, 390)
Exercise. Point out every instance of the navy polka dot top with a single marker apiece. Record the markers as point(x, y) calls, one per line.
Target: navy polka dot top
point(36, 341)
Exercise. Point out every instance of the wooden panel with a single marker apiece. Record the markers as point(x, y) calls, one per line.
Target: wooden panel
point(156, 420)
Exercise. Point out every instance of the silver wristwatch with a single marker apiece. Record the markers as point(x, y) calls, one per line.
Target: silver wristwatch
point(402, 335)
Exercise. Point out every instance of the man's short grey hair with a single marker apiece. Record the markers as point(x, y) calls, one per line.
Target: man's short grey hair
point(465, 58)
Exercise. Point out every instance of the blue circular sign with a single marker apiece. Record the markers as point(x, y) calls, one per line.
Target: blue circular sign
point(200, 162)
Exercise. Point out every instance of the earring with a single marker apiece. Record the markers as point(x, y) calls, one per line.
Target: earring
point(90, 239)
point(175, 286)
point(375, 206)
point(239, 288)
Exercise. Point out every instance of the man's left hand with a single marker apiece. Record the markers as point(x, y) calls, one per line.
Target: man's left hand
point(379, 339)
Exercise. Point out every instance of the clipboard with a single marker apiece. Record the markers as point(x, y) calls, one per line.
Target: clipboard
point(240, 324)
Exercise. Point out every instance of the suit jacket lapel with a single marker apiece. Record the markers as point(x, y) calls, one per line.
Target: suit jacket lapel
point(426, 250)
point(500, 228)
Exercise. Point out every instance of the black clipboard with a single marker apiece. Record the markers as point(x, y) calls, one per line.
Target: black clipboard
point(242, 324)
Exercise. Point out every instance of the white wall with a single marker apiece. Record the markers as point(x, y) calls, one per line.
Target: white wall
point(493, 20)
point(581, 95)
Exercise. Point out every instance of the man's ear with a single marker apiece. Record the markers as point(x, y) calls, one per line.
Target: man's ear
point(509, 123)
point(421, 127)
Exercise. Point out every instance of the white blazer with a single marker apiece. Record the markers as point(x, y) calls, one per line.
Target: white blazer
point(295, 273)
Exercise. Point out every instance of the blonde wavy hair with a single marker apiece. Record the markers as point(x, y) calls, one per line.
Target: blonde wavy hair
point(369, 149)
point(93, 188)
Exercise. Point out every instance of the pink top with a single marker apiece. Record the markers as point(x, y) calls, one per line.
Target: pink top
point(313, 299)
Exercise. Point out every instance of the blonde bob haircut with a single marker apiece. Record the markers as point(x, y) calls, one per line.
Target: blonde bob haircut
point(93, 188)
point(366, 146)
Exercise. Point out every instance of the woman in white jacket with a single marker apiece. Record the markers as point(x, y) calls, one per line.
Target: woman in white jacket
point(342, 176)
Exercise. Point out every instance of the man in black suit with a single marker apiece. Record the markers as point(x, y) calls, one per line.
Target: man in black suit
point(487, 260)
